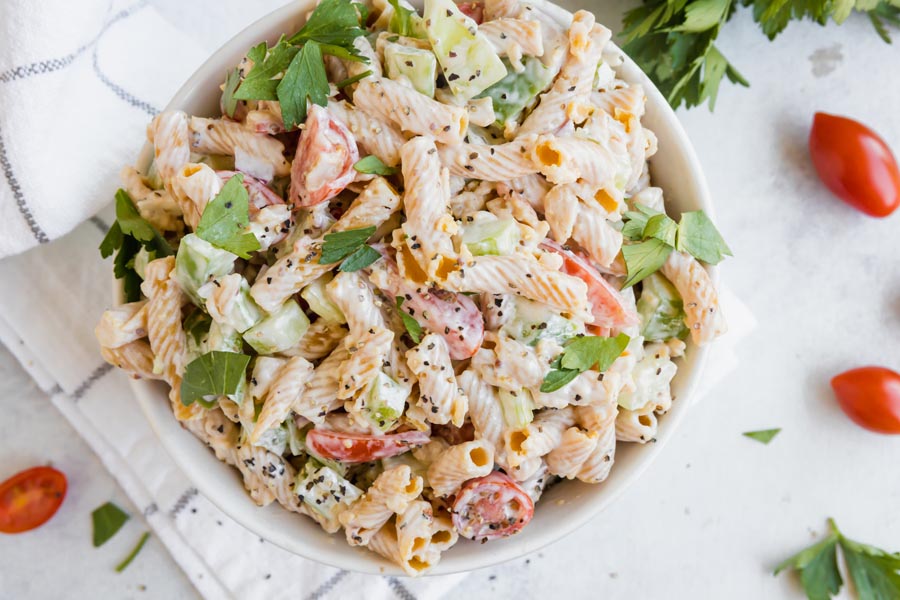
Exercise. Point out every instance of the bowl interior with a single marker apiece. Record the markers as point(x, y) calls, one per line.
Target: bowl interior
point(566, 505)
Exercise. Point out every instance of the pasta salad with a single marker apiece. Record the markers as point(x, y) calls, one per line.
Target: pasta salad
point(415, 272)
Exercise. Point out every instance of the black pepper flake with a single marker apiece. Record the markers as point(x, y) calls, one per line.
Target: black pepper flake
point(269, 280)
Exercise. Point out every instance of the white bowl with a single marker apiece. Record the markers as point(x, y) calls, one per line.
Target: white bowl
point(565, 506)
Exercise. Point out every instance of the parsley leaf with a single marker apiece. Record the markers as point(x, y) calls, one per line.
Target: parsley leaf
point(583, 353)
point(699, 237)
point(131, 556)
point(662, 228)
point(260, 82)
point(342, 244)
point(636, 222)
point(764, 436)
point(643, 259)
point(213, 374)
point(335, 22)
point(257, 53)
point(304, 78)
point(226, 217)
point(412, 326)
point(875, 573)
point(107, 521)
point(232, 81)
point(351, 80)
point(361, 258)
point(374, 166)
point(132, 223)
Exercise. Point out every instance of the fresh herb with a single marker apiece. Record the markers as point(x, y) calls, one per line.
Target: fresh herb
point(361, 258)
point(875, 573)
point(131, 556)
point(333, 22)
point(304, 78)
point(763, 436)
point(583, 353)
point(232, 81)
point(213, 374)
point(226, 217)
point(351, 80)
point(260, 82)
point(342, 244)
point(673, 41)
point(257, 53)
point(412, 326)
point(127, 235)
point(657, 235)
point(108, 520)
point(373, 165)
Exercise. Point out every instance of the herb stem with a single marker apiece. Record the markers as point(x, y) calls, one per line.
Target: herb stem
point(124, 564)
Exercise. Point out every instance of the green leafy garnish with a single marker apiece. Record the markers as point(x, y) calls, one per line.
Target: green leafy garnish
point(127, 235)
point(304, 78)
point(412, 326)
point(232, 81)
point(764, 436)
point(213, 374)
point(342, 244)
point(583, 353)
point(401, 21)
point(644, 258)
point(134, 552)
point(258, 53)
point(699, 237)
point(374, 166)
point(351, 80)
point(360, 259)
point(334, 22)
point(260, 82)
point(226, 217)
point(875, 573)
point(673, 41)
point(107, 520)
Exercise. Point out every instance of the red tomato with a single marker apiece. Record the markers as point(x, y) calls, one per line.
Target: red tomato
point(28, 499)
point(491, 507)
point(360, 448)
point(473, 10)
point(607, 304)
point(855, 164)
point(871, 397)
point(323, 164)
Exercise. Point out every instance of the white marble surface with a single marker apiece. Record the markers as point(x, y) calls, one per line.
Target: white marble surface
point(713, 515)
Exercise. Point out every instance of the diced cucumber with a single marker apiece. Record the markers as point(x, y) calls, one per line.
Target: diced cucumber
point(517, 407)
point(223, 339)
point(661, 310)
point(416, 65)
point(468, 60)
point(385, 401)
point(500, 236)
point(316, 295)
point(279, 331)
point(197, 262)
point(532, 321)
point(325, 491)
point(517, 91)
point(275, 439)
point(242, 313)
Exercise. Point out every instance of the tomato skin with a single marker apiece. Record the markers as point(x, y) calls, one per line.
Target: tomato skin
point(473, 10)
point(491, 507)
point(30, 498)
point(323, 164)
point(360, 448)
point(855, 164)
point(870, 396)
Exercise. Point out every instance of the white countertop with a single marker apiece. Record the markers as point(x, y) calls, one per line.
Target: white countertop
point(715, 513)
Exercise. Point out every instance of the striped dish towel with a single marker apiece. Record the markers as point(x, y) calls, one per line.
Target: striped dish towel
point(79, 81)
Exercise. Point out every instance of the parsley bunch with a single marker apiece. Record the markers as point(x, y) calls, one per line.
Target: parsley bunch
point(673, 41)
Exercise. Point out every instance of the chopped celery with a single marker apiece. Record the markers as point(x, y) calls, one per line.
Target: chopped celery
point(242, 313)
point(416, 466)
point(196, 328)
point(652, 376)
point(518, 408)
point(661, 310)
point(279, 331)
point(418, 66)
point(223, 338)
point(275, 439)
point(296, 438)
point(141, 259)
point(197, 262)
point(500, 236)
point(385, 400)
point(316, 295)
point(325, 491)
point(468, 60)
point(532, 321)
point(515, 92)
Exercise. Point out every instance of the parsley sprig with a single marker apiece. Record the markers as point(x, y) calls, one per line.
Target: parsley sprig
point(673, 41)
point(292, 71)
point(656, 235)
point(875, 573)
point(351, 248)
point(581, 354)
point(226, 217)
point(412, 326)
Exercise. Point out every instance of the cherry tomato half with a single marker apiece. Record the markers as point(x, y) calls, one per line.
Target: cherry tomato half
point(491, 507)
point(323, 164)
point(360, 448)
point(28, 499)
point(871, 397)
point(607, 304)
point(855, 164)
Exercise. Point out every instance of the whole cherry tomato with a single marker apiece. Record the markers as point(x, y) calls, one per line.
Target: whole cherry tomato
point(28, 499)
point(855, 164)
point(491, 507)
point(871, 397)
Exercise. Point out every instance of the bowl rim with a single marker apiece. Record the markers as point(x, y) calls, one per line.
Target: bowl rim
point(171, 433)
